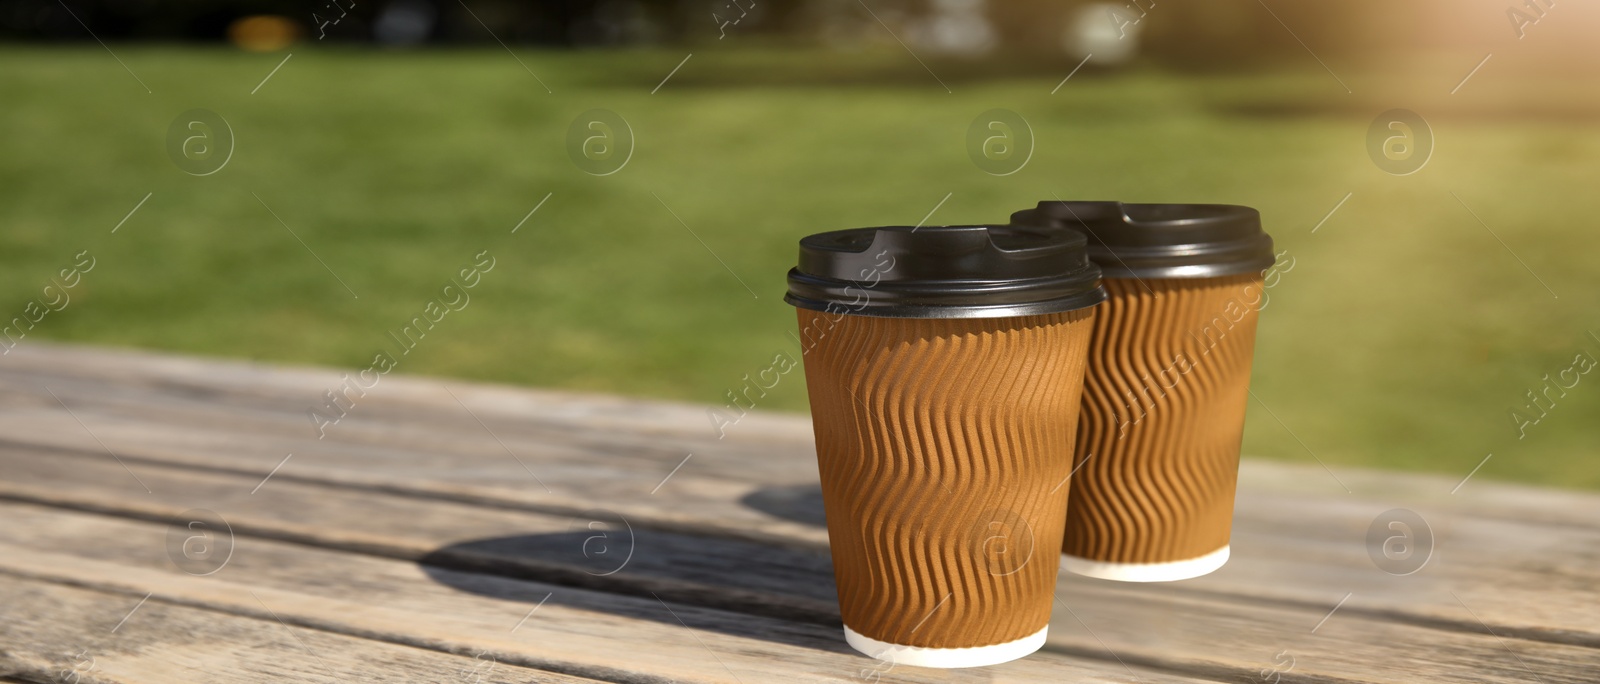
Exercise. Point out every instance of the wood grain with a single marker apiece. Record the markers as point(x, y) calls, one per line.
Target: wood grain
point(507, 464)
point(1290, 545)
point(531, 624)
point(1205, 631)
point(256, 411)
point(733, 533)
point(64, 635)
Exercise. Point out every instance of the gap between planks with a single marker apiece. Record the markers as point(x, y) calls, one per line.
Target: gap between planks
point(576, 444)
point(1187, 668)
point(571, 637)
point(398, 595)
point(709, 595)
point(49, 624)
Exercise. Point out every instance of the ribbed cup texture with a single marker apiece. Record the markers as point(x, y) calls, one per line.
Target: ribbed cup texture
point(1163, 413)
point(944, 447)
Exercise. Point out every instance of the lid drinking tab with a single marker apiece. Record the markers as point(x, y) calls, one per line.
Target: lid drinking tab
point(979, 271)
point(1162, 240)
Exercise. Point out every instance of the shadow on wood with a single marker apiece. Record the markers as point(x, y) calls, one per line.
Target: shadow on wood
point(731, 575)
point(800, 503)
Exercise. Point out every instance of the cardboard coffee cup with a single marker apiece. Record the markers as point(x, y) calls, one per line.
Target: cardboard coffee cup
point(944, 366)
point(1165, 393)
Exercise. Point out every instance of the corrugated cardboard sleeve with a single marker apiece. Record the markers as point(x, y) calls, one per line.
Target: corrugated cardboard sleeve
point(944, 447)
point(1163, 414)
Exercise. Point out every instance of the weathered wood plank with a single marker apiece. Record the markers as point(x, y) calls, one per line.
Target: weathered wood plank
point(242, 382)
point(1288, 547)
point(459, 460)
point(70, 635)
point(258, 413)
point(745, 576)
point(694, 502)
point(1187, 631)
point(1299, 537)
point(552, 628)
point(292, 391)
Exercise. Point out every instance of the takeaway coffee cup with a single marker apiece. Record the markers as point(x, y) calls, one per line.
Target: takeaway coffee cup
point(944, 366)
point(1164, 397)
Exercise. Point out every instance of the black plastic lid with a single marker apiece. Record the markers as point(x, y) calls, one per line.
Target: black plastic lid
point(945, 272)
point(1162, 240)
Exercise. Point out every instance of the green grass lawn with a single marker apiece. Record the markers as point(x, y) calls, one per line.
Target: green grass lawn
point(1401, 339)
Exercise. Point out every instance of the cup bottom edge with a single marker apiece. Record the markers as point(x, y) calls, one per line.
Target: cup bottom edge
point(1147, 572)
point(946, 658)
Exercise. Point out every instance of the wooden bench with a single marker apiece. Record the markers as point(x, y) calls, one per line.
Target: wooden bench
point(448, 531)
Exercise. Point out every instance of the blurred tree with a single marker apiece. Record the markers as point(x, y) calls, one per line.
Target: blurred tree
point(1181, 33)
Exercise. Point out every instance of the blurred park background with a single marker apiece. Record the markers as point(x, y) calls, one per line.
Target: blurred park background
point(378, 145)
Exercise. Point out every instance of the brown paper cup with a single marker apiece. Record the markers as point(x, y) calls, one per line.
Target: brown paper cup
point(944, 448)
point(1164, 400)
